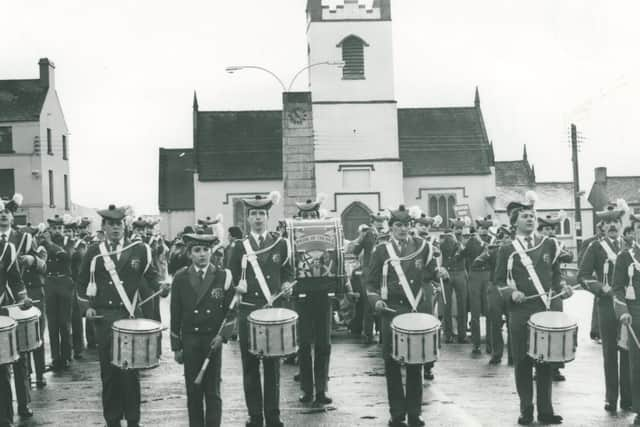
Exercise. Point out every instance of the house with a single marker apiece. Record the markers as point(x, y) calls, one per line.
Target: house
point(34, 146)
point(608, 189)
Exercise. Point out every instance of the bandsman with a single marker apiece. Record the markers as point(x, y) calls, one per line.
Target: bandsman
point(200, 299)
point(594, 332)
point(115, 275)
point(261, 268)
point(599, 259)
point(626, 303)
point(394, 292)
point(526, 267)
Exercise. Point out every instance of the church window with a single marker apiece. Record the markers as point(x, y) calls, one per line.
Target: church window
point(353, 57)
point(443, 205)
point(566, 227)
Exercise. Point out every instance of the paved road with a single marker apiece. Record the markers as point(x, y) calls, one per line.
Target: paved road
point(466, 391)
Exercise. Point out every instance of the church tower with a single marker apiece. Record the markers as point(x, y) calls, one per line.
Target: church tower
point(354, 108)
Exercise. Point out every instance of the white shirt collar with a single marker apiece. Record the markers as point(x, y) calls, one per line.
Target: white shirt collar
point(6, 233)
point(256, 236)
point(523, 239)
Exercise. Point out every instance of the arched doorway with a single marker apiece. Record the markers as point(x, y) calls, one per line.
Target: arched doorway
point(355, 214)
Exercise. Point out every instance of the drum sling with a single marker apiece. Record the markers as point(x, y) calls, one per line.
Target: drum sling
point(528, 264)
point(252, 257)
point(402, 278)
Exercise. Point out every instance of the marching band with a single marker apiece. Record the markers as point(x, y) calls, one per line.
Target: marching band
point(277, 291)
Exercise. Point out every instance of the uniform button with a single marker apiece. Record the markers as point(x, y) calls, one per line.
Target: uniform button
point(110, 302)
point(268, 277)
point(195, 329)
point(208, 311)
point(255, 293)
point(411, 281)
point(110, 282)
point(195, 311)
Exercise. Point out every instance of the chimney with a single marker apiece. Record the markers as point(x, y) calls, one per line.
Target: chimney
point(601, 175)
point(47, 73)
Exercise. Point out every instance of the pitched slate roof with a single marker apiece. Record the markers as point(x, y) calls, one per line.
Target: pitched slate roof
point(552, 196)
point(615, 187)
point(175, 179)
point(21, 100)
point(239, 145)
point(443, 141)
point(514, 172)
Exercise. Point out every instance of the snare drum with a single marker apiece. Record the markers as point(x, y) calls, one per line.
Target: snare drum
point(553, 337)
point(415, 338)
point(272, 332)
point(8, 345)
point(136, 343)
point(28, 334)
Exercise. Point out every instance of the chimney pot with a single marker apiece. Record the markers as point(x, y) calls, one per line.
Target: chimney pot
point(47, 74)
point(601, 175)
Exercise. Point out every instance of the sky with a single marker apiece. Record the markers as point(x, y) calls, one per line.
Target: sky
point(126, 72)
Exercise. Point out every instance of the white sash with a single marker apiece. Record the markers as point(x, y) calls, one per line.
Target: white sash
point(402, 278)
point(630, 293)
point(528, 264)
point(251, 256)
point(117, 282)
point(611, 258)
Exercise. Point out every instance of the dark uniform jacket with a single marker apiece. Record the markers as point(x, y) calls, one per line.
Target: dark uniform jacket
point(419, 272)
point(135, 269)
point(199, 306)
point(487, 261)
point(621, 281)
point(542, 255)
point(474, 247)
point(275, 265)
point(453, 253)
point(25, 245)
point(10, 277)
point(593, 261)
point(59, 279)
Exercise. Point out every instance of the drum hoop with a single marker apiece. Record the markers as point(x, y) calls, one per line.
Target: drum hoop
point(155, 329)
point(27, 319)
point(11, 325)
point(539, 327)
point(415, 331)
point(273, 322)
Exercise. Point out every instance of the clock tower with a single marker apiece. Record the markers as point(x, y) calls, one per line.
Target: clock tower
point(355, 116)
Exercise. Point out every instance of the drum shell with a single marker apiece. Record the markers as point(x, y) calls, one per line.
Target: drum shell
point(136, 345)
point(8, 342)
point(551, 344)
point(274, 338)
point(418, 346)
point(28, 336)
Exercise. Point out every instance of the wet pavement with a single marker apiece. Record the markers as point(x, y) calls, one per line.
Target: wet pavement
point(466, 391)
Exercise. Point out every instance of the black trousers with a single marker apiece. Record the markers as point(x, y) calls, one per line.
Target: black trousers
point(523, 365)
point(497, 308)
point(258, 403)
point(6, 396)
point(314, 330)
point(120, 388)
point(617, 376)
point(38, 354)
point(478, 285)
point(59, 307)
point(457, 281)
point(204, 401)
point(77, 328)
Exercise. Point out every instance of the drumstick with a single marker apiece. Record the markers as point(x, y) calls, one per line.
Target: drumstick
point(389, 310)
point(205, 364)
point(633, 335)
point(20, 304)
point(152, 296)
point(527, 298)
point(279, 294)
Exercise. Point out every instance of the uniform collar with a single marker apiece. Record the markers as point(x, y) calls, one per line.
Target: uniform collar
point(256, 236)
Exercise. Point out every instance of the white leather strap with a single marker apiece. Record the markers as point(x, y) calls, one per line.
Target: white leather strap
point(251, 256)
point(402, 278)
point(528, 264)
point(117, 282)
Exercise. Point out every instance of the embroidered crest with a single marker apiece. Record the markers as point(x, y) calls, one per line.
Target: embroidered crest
point(276, 258)
point(217, 293)
point(419, 263)
point(546, 258)
point(135, 264)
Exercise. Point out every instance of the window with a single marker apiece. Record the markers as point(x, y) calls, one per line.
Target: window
point(6, 139)
point(565, 228)
point(7, 183)
point(443, 205)
point(64, 147)
point(240, 215)
point(49, 143)
point(353, 57)
point(66, 193)
point(51, 194)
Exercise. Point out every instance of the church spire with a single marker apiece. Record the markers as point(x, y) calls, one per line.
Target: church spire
point(195, 101)
point(476, 100)
point(524, 153)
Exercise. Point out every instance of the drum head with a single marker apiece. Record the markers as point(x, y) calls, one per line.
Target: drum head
point(273, 315)
point(415, 322)
point(552, 320)
point(23, 315)
point(7, 323)
point(137, 325)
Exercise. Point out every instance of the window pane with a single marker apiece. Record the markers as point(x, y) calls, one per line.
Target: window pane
point(7, 183)
point(64, 147)
point(566, 226)
point(6, 142)
point(49, 143)
point(451, 206)
point(66, 193)
point(51, 195)
point(433, 206)
point(442, 209)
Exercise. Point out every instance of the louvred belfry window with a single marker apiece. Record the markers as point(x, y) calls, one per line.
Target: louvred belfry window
point(353, 57)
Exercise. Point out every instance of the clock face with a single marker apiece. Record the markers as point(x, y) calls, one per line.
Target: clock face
point(297, 115)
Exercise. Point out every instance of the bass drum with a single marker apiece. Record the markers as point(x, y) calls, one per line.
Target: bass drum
point(317, 254)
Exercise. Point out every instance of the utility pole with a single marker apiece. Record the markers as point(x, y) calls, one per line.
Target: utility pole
point(576, 187)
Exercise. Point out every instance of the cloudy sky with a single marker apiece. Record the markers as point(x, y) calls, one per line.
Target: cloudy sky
point(126, 72)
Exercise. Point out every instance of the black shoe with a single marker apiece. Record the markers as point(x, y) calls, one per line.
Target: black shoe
point(428, 374)
point(636, 421)
point(275, 423)
point(416, 422)
point(594, 336)
point(368, 340)
point(488, 350)
point(78, 356)
point(323, 399)
point(25, 412)
point(476, 351)
point(549, 419)
point(397, 422)
point(495, 360)
point(91, 346)
point(114, 424)
point(526, 417)
point(41, 383)
point(611, 407)
point(291, 360)
point(448, 339)
point(66, 365)
point(625, 406)
point(306, 398)
point(462, 340)
point(133, 424)
point(557, 376)
point(296, 378)
point(254, 422)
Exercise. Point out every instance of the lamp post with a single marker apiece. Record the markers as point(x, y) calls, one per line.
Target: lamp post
point(233, 68)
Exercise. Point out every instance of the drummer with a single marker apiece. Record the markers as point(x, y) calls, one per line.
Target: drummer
point(200, 299)
point(626, 303)
point(517, 282)
point(257, 282)
point(419, 268)
point(314, 326)
point(600, 258)
point(99, 290)
point(12, 291)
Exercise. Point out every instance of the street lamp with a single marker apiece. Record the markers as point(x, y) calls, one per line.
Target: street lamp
point(232, 69)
